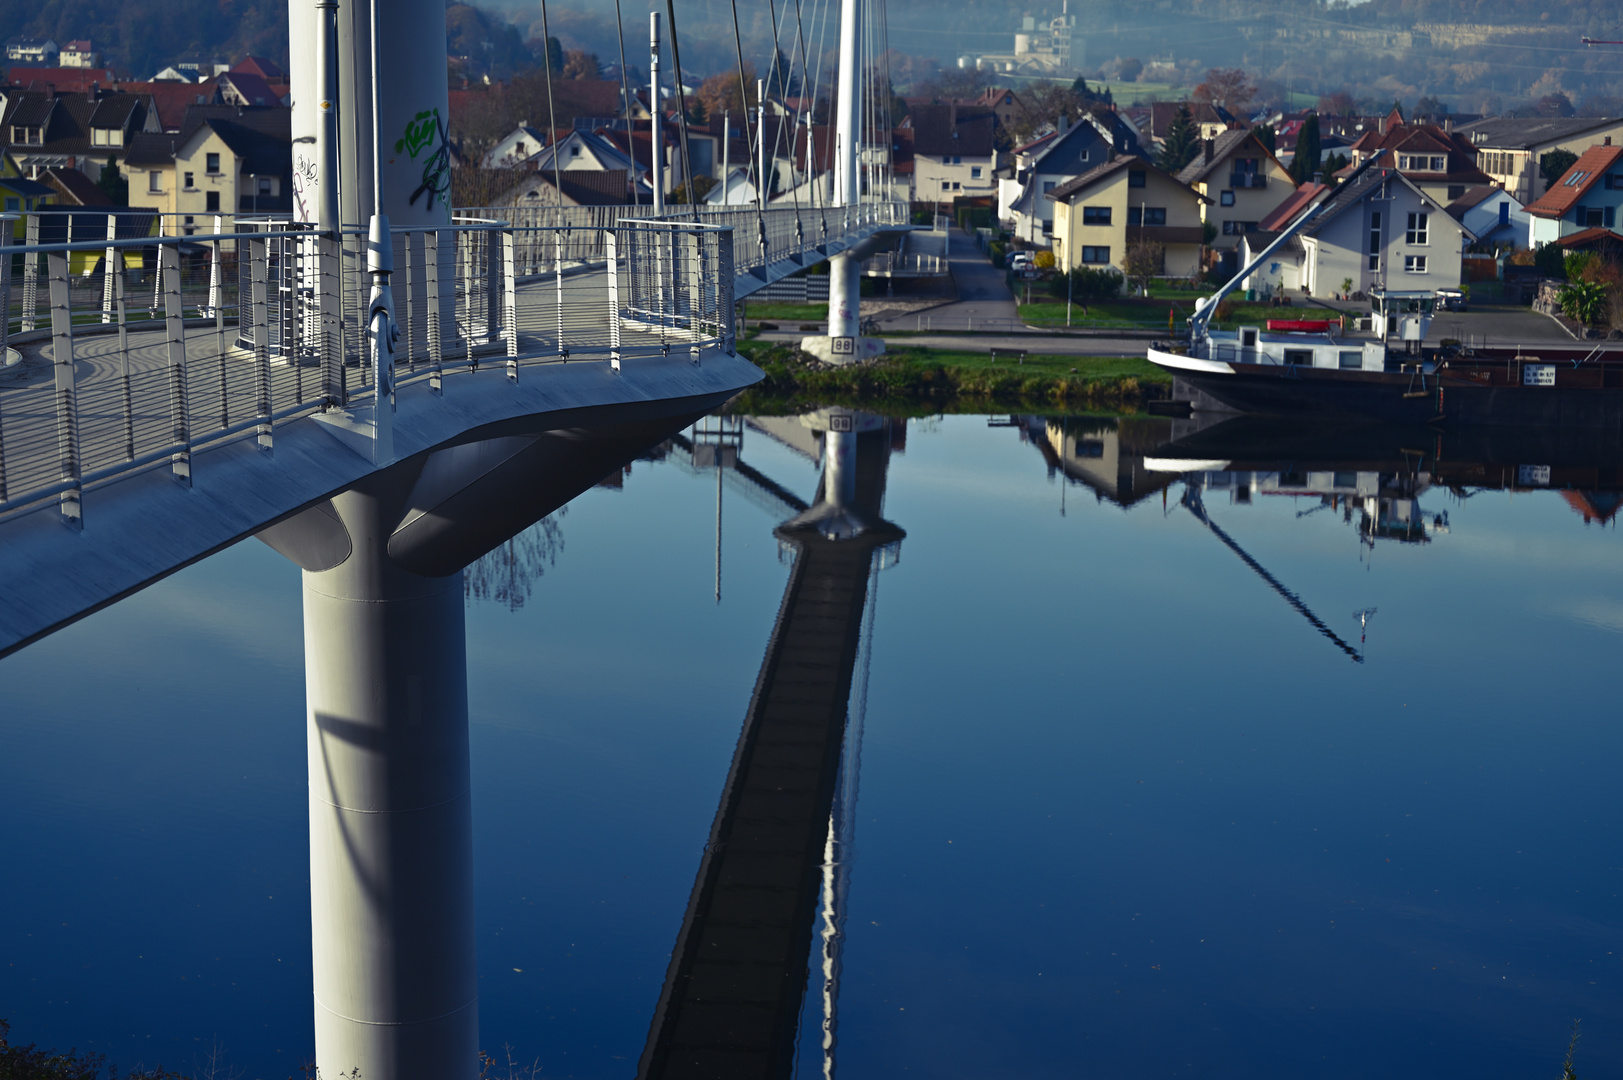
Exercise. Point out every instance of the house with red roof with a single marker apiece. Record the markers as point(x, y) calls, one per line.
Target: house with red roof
point(1586, 197)
point(1442, 164)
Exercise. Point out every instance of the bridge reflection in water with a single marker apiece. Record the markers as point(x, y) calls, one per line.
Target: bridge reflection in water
point(733, 995)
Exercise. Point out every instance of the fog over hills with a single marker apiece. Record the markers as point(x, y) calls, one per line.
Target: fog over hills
point(1473, 55)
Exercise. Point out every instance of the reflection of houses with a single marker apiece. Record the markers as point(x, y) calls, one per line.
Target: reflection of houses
point(1105, 454)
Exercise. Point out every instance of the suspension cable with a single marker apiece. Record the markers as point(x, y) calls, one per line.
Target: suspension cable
point(625, 93)
point(794, 190)
point(744, 99)
point(805, 79)
point(681, 114)
point(552, 118)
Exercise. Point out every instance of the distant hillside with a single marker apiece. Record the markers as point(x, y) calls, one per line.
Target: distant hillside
point(144, 36)
point(1474, 55)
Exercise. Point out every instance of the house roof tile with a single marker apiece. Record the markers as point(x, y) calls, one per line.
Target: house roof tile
point(1564, 194)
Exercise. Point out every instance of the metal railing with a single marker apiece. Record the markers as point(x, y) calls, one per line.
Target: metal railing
point(143, 372)
point(149, 347)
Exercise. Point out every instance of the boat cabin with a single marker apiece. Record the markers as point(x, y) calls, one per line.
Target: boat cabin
point(1404, 314)
point(1253, 345)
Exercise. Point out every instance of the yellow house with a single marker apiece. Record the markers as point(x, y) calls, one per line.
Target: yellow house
point(1242, 181)
point(226, 160)
point(1127, 200)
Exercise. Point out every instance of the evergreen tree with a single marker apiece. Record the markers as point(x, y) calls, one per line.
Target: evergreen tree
point(113, 183)
point(1308, 151)
point(555, 56)
point(1265, 135)
point(1181, 144)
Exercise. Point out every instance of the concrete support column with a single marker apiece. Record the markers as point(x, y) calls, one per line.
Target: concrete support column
point(844, 295)
point(391, 833)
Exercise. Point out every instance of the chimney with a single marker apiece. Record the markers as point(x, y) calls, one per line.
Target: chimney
point(1380, 126)
point(1064, 123)
point(1608, 141)
point(1448, 124)
point(1206, 150)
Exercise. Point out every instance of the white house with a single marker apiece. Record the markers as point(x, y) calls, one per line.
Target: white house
point(1494, 216)
point(1377, 230)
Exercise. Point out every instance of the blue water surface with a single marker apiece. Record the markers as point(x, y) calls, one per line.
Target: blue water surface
point(1123, 811)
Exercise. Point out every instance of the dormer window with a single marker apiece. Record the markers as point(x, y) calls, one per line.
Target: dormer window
point(27, 135)
point(106, 137)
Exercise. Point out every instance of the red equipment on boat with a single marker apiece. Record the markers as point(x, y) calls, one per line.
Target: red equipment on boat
point(1303, 326)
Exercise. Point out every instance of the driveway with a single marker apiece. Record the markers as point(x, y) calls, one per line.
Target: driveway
point(983, 296)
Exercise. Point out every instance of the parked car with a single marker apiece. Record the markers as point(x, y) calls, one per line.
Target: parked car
point(1451, 300)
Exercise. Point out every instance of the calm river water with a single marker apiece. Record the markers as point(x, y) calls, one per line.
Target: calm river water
point(1125, 808)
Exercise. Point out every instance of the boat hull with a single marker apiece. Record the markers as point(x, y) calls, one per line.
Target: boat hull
point(1393, 398)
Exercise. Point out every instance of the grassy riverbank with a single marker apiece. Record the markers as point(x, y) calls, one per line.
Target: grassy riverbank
point(906, 380)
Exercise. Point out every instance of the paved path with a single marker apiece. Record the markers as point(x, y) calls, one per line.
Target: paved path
point(1033, 342)
point(983, 295)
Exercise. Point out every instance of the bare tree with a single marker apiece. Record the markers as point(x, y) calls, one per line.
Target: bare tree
point(1143, 263)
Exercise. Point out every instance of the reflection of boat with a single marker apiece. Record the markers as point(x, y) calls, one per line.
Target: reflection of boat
point(1393, 465)
point(1332, 373)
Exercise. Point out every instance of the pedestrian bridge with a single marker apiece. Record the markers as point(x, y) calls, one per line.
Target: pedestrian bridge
point(167, 395)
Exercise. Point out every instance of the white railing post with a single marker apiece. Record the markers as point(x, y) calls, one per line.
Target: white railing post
point(695, 291)
point(175, 336)
point(611, 244)
point(431, 304)
point(30, 275)
point(121, 311)
point(67, 405)
point(510, 302)
point(558, 264)
point(330, 304)
point(107, 270)
point(259, 259)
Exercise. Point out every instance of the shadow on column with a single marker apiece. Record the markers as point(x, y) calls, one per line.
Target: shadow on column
point(732, 996)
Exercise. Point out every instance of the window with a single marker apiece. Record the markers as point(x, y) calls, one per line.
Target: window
point(211, 164)
point(1048, 228)
point(956, 185)
point(1374, 262)
point(155, 181)
point(1148, 215)
point(267, 187)
point(1238, 228)
point(11, 202)
point(1614, 181)
point(957, 159)
point(1226, 199)
point(1137, 177)
point(1590, 217)
point(1414, 264)
point(189, 185)
point(211, 202)
point(1049, 185)
point(1349, 360)
point(974, 172)
point(1096, 215)
point(1299, 356)
point(1416, 232)
point(1095, 255)
point(574, 151)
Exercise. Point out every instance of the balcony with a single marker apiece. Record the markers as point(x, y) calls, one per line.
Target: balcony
point(1248, 180)
point(1166, 234)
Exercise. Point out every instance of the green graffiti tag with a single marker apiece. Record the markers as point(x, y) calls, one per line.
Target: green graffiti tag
point(419, 133)
point(422, 133)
